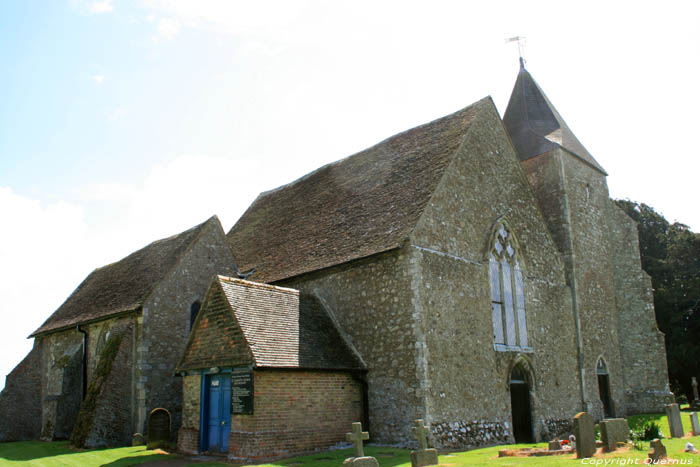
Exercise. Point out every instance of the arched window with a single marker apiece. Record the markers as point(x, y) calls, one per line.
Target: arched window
point(194, 309)
point(604, 388)
point(507, 294)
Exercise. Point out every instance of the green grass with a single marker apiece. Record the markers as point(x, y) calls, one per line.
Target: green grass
point(41, 454)
point(35, 453)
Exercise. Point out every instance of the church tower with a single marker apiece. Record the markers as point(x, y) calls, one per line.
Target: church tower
point(571, 189)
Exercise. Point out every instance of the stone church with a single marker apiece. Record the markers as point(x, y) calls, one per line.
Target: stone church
point(472, 272)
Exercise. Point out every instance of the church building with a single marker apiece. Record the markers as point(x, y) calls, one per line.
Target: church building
point(472, 272)
point(480, 269)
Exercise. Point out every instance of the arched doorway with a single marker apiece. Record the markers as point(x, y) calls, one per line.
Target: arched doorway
point(604, 388)
point(520, 404)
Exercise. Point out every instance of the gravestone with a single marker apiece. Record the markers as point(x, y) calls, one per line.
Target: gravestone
point(694, 423)
point(696, 400)
point(657, 451)
point(674, 420)
point(554, 445)
point(357, 436)
point(137, 439)
point(158, 429)
point(584, 430)
point(613, 431)
point(423, 456)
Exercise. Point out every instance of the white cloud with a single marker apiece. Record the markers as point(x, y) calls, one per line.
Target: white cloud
point(168, 27)
point(98, 79)
point(99, 7)
point(44, 253)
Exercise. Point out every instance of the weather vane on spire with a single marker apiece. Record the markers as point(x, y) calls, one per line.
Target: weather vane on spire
point(521, 46)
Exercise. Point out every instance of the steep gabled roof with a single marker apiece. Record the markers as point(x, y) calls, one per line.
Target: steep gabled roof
point(125, 285)
point(273, 326)
point(356, 207)
point(535, 126)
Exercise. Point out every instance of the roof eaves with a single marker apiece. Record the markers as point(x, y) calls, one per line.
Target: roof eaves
point(131, 309)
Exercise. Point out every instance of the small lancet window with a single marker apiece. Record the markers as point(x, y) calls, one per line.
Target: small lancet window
point(194, 310)
point(507, 291)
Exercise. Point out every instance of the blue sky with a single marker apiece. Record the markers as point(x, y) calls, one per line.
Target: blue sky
point(127, 121)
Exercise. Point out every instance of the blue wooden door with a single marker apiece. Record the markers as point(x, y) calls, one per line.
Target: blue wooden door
point(217, 412)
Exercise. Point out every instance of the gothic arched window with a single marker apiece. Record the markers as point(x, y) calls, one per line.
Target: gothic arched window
point(507, 294)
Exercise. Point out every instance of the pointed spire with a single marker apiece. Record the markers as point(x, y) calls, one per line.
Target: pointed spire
point(535, 126)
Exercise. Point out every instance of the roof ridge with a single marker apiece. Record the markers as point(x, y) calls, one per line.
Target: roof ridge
point(256, 285)
point(368, 148)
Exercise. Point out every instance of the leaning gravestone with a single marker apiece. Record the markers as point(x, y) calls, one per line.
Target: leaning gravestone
point(674, 420)
point(158, 429)
point(694, 423)
point(423, 456)
point(657, 451)
point(359, 460)
point(585, 435)
point(613, 431)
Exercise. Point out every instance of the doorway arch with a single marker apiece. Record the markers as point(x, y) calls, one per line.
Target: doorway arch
point(520, 384)
point(601, 370)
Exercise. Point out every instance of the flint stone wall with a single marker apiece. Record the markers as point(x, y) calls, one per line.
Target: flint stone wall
point(20, 401)
point(642, 345)
point(465, 377)
point(166, 326)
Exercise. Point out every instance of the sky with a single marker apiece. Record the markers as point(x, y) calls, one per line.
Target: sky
point(122, 122)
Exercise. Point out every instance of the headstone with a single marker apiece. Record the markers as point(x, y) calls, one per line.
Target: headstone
point(554, 445)
point(423, 456)
point(657, 451)
point(674, 420)
point(158, 429)
point(137, 439)
point(614, 431)
point(696, 400)
point(694, 423)
point(357, 436)
point(585, 435)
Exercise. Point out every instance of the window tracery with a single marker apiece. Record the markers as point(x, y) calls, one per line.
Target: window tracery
point(507, 291)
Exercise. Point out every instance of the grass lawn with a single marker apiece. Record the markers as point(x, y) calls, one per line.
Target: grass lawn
point(40, 454)
point(36, 453)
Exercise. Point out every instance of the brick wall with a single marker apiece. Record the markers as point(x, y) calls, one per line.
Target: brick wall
point(188, 435)
point(20, 400)
point(295, 412)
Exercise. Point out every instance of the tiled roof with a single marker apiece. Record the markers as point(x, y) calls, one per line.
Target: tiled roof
point(356, 207)
point(125, 285)
point(535, 126)
point(279, 329)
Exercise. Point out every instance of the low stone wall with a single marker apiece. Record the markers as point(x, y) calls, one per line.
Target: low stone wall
point(553, 428)
point(461, 434)
point(647, 401)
